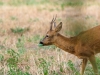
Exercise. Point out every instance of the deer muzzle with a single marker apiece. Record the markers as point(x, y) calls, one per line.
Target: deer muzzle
point(41, 43)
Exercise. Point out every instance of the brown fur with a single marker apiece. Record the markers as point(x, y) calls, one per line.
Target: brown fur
point(84, 46)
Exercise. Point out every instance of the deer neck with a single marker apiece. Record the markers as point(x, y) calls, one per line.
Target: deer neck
point(66, 44)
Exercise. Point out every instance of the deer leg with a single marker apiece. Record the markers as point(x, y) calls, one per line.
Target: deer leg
point(84, 62)
point(93, 62)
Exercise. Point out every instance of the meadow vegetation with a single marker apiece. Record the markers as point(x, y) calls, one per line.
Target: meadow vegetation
point(23, 23)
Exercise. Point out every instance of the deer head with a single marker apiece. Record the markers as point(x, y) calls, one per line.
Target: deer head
point(51, 35)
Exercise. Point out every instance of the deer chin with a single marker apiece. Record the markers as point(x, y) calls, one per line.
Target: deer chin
point(46, 44)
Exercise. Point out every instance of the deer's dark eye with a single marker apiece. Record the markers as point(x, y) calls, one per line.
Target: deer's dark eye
point(47, 36)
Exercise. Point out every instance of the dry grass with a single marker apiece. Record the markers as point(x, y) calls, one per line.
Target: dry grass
point(37, 18)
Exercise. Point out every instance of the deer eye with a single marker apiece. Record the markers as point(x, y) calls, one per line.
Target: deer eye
point(47, 36)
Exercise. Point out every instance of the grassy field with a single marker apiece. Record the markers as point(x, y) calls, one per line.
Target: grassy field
point(23, 23)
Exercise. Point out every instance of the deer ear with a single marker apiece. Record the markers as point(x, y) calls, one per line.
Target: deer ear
point(58, 28)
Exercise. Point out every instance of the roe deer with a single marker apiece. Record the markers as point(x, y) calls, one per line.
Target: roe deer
point(85, 45)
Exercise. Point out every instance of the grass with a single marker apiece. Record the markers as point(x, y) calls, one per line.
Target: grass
point(1, 3)
point(63, 3)
point(23, 25)
point(12, 64)
point(19, 30)
point(23, 2)
point(14, 18)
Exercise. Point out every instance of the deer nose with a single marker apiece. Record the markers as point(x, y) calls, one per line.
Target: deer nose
point(41, 42)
